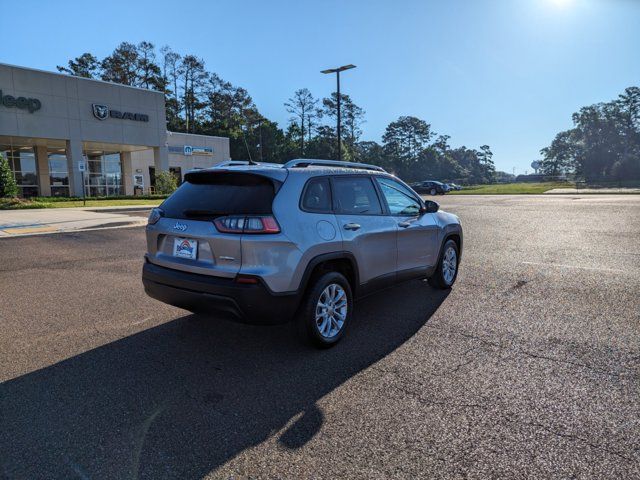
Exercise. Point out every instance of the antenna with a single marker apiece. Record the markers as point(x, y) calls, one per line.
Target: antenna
point(244, 137)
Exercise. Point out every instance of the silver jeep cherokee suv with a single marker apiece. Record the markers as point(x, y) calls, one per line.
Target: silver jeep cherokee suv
point(268, 242)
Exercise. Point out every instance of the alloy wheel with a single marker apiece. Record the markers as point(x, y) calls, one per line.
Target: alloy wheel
point(331, 310)
point(449, 265)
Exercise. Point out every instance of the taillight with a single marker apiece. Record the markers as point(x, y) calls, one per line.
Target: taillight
point(154, 216)
point(229, 224)
point(247, 224)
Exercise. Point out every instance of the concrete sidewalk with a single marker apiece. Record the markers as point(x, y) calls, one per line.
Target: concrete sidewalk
point(15, 223)
point(556, 191)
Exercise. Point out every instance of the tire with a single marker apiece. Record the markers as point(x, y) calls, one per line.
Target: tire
point(442, 277)
point(310, 329)
point(433, 191)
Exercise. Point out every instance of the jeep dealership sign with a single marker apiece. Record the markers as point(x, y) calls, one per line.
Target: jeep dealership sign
point(23, 103)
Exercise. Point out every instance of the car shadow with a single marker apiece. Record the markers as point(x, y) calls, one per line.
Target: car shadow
point(183, 398)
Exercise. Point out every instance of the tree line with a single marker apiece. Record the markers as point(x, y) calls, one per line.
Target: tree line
point(604, 143)
point(200, 101)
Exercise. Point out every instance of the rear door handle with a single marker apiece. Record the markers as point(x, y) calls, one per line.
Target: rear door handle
point(404, 224)
point(352, 226)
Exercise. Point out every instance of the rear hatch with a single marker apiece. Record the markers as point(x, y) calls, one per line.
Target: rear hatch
point(201, 224)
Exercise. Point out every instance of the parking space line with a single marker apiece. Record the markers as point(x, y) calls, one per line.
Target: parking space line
point(25, 230)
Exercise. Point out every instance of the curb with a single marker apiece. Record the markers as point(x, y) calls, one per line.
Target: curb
point(45, 230)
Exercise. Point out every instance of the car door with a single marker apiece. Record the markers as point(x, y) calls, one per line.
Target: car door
point(417, 237)
point(367, 232)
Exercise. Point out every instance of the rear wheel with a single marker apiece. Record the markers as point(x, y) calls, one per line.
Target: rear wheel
point(432, 191)
point(447, 271)
point(326, 310)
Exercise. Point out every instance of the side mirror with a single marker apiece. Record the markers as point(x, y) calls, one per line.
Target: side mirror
point(430, 207)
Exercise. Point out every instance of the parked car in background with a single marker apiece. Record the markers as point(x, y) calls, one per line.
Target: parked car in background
point(432, 187)
point(454, 186)
point(267, 243)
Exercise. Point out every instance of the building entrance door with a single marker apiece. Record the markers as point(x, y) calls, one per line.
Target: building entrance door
point(104, 174)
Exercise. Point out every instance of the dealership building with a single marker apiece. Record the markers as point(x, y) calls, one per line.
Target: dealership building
point(61, 134)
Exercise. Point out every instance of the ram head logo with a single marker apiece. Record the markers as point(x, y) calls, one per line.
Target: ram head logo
point(101, 112)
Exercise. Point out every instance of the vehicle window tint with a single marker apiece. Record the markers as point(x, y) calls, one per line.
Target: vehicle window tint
point(399, 186)
point(355, 195)
point(208, 195)
point(317, 196)
point(400, 199)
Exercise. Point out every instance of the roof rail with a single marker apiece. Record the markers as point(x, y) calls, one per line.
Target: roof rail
point(304, 162)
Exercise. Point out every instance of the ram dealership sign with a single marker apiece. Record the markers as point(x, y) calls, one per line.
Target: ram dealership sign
point(102, 112)
point(23, 103)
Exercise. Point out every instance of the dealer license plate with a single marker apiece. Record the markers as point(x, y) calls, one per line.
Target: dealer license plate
point(185, 248)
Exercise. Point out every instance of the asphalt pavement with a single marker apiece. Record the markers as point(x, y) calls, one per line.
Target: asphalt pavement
point(27, 222)
point(528, 368)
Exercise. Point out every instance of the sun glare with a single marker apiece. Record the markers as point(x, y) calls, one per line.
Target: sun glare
point(560, 3)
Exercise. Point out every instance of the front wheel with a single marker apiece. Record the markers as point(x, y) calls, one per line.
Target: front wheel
point(447, 271)
point(326, 310)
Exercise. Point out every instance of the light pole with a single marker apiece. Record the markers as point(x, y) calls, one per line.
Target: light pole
point(337, 72)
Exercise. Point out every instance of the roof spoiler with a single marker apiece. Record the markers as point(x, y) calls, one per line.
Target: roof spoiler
point(231, 163)
point(200, 176)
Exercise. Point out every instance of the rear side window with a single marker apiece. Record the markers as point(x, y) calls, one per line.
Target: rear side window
point(355, 196)
point(208, 195)
point(317, 196)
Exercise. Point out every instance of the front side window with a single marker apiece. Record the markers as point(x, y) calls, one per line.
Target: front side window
point(317, 196)
point(355, 196)
point(399, 199)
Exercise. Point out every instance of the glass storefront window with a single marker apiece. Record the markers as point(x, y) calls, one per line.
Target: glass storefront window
point(23, 165)
point(102, 178)
point(104, 174)
point(58, 173)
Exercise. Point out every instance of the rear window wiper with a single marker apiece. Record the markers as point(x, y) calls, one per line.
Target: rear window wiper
point(202, 213)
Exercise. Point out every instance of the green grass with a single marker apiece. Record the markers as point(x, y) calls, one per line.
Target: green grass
point(511, 188)
point(18, 203)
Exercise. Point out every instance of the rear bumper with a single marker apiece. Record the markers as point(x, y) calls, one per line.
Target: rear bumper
point(253, 304)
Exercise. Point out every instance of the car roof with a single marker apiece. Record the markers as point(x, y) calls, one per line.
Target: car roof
point(303, 166)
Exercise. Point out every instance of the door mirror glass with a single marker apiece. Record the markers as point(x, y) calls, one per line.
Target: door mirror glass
point(430, 207)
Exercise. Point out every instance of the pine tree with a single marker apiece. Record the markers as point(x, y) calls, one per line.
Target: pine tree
point(8, 186)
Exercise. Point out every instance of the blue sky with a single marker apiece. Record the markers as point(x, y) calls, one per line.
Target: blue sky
point(508, 73)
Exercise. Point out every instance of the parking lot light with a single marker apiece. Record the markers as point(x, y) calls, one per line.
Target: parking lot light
point(337, 72)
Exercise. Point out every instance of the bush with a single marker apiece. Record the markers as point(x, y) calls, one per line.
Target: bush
point(15, 203)
point(627, 168)
point(8, 186)
point(116, 197)
point(166, 183)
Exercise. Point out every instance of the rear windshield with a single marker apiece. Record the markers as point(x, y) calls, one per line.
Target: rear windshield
point(208, 195)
